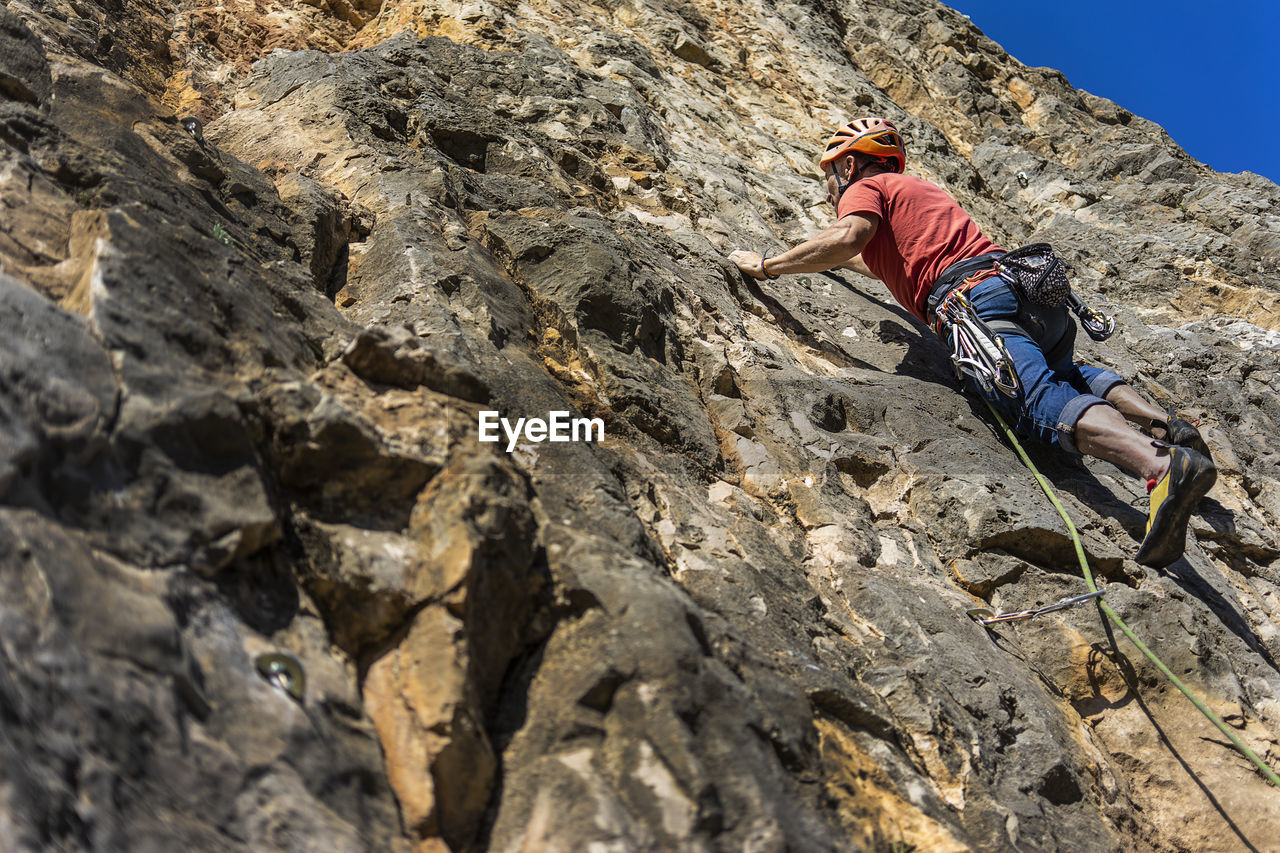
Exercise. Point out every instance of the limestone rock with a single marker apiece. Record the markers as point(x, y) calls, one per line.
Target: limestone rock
point(430, 694)
point(241, 376)
point(26, 70)
point(397, 357)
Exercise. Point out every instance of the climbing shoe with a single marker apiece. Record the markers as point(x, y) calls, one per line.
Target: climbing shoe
point(1173, 499)
point(1182, 433)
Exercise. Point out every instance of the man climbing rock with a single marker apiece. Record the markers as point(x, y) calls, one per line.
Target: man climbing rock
point(913, 236)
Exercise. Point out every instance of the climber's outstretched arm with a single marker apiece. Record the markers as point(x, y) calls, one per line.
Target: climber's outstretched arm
point(834, 246)
point(856, 264)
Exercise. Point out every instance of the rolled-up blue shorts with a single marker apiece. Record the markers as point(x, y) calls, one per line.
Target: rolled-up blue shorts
point(1052, 397)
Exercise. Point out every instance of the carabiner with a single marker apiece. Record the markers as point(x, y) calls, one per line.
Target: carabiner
point(984, 616)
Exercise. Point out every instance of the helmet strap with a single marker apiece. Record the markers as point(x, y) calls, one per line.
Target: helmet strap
point(853, 176)
point(841, 186)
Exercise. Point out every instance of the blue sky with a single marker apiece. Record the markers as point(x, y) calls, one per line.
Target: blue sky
point(1206, 72)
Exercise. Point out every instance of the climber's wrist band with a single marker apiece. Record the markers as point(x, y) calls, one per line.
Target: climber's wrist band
point(765, 269)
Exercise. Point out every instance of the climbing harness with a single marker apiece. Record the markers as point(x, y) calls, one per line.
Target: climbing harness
point(1039, 279)
point(984, 616)
point(1204, 709)
point(976, 351)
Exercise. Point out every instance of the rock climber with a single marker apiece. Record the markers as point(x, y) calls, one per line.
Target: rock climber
point(910, 234)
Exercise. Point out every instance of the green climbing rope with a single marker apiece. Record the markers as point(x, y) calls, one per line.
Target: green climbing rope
point(1265, 770)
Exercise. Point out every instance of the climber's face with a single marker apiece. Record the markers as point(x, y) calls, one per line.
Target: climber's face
point(836, 185)
point(845, 172)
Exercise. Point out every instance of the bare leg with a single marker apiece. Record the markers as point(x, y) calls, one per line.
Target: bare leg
point(1183, 474)
point(1103, 432)
point(1135, 409)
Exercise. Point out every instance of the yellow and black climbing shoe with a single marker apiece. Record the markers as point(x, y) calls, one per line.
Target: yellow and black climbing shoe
point(1173, 499)
point(1182, 433)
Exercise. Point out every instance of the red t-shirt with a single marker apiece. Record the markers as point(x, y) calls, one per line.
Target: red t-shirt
point(922, 231)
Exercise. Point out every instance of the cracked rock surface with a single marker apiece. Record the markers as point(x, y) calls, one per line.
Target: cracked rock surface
point(265, 588)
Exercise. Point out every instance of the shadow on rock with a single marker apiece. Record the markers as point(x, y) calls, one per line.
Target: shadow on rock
point(1226, 609)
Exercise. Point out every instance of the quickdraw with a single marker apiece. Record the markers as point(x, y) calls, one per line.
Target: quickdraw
point(984, 616)
point(976, 351)
point(1096, 325)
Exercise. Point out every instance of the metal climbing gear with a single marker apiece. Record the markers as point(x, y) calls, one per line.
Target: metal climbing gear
point(283, 672)
point(976, 351)
point(193, 126)
point(1040, 277)
point(984, 616)
point(1096, 325)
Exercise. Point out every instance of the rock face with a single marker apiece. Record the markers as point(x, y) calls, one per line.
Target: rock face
point(265, 588)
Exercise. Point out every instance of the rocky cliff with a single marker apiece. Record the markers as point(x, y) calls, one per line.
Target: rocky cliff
point(264, 588)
